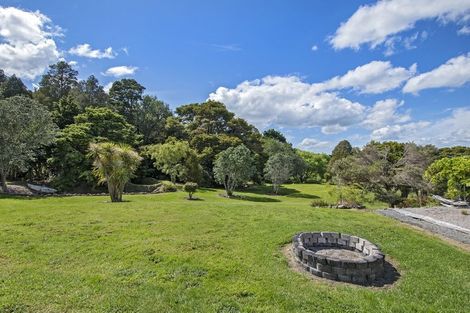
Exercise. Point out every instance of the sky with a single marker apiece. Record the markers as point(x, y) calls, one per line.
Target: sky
point(319, 71)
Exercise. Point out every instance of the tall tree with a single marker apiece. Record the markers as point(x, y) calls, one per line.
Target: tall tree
point(233, 167)
point(125, 96)
point(90, 93)
point(151, 118)
point(317, 164)
point(114, 164)
point(451, 176)
point(25, 126)
point(13, 86)
point(57, 83)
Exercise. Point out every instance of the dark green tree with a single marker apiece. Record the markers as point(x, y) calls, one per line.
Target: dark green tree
point(125, 97)
point(151, 118)
point(275, 134)
point(56, 83)
point(13, 86)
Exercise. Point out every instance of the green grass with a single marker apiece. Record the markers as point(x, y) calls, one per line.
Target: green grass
point(162, 253)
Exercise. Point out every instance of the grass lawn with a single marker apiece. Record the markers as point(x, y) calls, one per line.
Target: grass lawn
point(162, 253)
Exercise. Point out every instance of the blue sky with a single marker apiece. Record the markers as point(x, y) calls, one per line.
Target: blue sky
point(320, 71)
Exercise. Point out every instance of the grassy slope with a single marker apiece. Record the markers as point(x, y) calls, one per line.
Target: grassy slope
point(162, 253)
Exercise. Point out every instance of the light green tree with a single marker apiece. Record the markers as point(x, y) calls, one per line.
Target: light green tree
point(114, 164)
point(451, 176)
point(176, 159)
point(25, 126)
point(278, 169)
point(233, 167)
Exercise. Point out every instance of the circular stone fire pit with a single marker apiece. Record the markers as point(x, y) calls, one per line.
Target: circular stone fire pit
point(339, 257)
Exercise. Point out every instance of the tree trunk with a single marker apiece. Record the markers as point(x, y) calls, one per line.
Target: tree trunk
point(3, 178)
point(228, 192)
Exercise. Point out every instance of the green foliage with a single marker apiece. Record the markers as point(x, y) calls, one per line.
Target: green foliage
point(176, 159)
point(90, 93)
point(278, 169)
point(106, 124)
point(451, 176)
point(451, 152)
point(125, 96)
point(234, 167)
point(56, 83)
point(68, 160)
point(151, 118)
point(274, 134)
point(25, 127)
point(190, 188)
point(317, 165)
point(114, 164)
point(12, 86)
point(167, 186)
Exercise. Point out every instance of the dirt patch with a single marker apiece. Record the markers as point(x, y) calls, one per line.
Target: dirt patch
point(390, 279)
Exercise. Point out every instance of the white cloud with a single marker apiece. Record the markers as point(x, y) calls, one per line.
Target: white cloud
point(119, 71)
point(383, 113)
point(108, 86)
point(312, 144)
point(333, 129)
point(85, 50)
point(27, 46)
point(448, 131)
point(375, 24)
point(287, 101)
point(464, 30)
point(374, 77)
point(314, 48)
point(454, 73)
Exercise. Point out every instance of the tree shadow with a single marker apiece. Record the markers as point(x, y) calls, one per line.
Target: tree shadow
point(283, 191)
point(251, 198)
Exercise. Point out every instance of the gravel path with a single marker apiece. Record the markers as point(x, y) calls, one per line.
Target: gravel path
point(438, 229)
point(449, 215)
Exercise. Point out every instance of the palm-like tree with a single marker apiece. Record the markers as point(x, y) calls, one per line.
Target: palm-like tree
point(114, 164)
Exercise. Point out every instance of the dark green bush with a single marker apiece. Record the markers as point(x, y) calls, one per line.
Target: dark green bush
point(190, 188)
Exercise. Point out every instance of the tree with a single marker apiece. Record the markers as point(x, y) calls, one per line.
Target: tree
point(317, 164)
point(450, 152)
point(90, 93)
point(190, 188)
point(65, 111)
point(233, 167)
point(13, 86)
point(151, 118)
point(114, 164)
point(57, 83)
point(125, 96)
point(342, 150)
point(68, 159)
point(25, 126)
point(299, 167)
point(176, 159)
point(451, 176)
point(274, 134)
point(278, 169)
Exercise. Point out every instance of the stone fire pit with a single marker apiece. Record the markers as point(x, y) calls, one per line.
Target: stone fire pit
point(339, 257)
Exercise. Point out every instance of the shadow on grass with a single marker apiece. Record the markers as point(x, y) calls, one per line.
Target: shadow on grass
point(251, 198)
point(283, 191)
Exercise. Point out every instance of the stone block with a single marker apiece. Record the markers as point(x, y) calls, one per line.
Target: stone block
point(315, 272)
point(338, 270)
point(345, 278)
point(329, 276)
point(323, 268)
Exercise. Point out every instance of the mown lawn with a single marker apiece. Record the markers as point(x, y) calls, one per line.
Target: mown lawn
point(162, 253)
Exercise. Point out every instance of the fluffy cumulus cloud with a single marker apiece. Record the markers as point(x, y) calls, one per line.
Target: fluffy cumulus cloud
point(119, 71)
point(374, 77)
point(85, 50)
point(288, 101)
point(448, 131)
point(385, 112)
point(454, 73)
point(27, 43)
point(376, 23)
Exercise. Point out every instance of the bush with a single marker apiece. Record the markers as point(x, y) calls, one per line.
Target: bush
point(350, 198)
point(321, 204)
point(166, 186)
point(190, 188)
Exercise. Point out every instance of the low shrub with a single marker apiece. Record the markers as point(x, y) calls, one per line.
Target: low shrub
point(166, 186)
point(190, 188)
point(321, 204)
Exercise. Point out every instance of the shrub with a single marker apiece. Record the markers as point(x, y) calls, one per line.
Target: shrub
point(190, 188)
point(321, 204)
point(166, 186)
